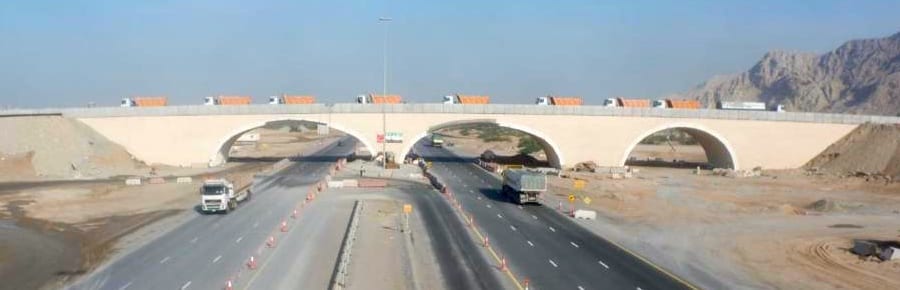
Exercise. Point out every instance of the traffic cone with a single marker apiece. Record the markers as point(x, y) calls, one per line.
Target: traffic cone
point(503, 264)
point(526, 282)
point(228, 285)
point(309, 196)
point(486, 244)
point(251, 264)
point(284, 227)
point(270, 242)
point(294, 214)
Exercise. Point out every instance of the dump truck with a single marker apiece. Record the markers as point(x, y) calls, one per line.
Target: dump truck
point(437, 140)
point(227, 100)
point(379, 99)
point(217, 195)
point(559, 101)
point(291, 100)
point(145, 102)
point(467, 100)
point(742, 106)
point(524, 186)
point(677, 104)
point(627, 103)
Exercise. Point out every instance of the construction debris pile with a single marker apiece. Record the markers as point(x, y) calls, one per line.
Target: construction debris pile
point(884, 251)
point(871, 151)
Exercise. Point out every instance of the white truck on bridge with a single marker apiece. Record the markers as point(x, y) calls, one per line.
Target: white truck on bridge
point(217, 195)
point(524, 186)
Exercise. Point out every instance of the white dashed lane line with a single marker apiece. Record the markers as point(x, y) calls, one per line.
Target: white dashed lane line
point(194, 240)
point(534, 216)
point(512, 227)
point(530, 244)
point(186, 285)
point(580, 288)
point(217, 259)
point(239, 240)
point(125, 286)
point(603, 264)
point(163, 261)
point(553, 263)
point(489, 205)
point(499, 216)
point(552, 229)
point(574, 244)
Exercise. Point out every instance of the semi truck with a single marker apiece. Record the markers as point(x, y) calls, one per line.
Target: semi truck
point(379, 99)
point(291, 100)
point(218, 195)
point(746, 106)
point(227, 100)
point(677, 104)
point(524, 186)
point(559, 101)
point(466, 100)
point(144, 102)
point(627, 103)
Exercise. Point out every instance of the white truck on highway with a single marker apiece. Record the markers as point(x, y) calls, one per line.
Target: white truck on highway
point(217, 195)
point(524, 186)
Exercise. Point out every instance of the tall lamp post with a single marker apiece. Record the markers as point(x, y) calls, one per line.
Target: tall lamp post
point(384, 21)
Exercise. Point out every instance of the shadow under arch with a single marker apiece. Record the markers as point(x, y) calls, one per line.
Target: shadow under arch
point(220, 153)
point(719, 153)
point(554, 155)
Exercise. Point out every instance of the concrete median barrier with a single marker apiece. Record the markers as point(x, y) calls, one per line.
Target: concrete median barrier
point(372, 183)
point(335, 184)
point(585, 214)
point(133, 181)
point(184, 180)
point(350, 183)
point(156, 180)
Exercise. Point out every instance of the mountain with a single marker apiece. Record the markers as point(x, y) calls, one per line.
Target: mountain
point(860, 77)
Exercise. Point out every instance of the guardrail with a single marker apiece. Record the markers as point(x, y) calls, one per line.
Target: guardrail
point(489, 109)
point(342, 271)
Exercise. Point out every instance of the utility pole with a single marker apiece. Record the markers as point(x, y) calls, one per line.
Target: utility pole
point(384, 21)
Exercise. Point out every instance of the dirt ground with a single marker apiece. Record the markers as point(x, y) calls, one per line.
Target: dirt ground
point(56, 225)
point(782, 230)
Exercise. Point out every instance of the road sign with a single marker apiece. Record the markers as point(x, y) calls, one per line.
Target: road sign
point(579, 183)
point(407, 208)
point(379, 138)
point(394, 137)
point(571, 198)
point(587, 200)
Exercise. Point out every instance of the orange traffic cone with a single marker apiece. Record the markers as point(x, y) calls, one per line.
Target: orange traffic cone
point(284, 227)
point(251, 264)
point(228, 285)
point(270, 242)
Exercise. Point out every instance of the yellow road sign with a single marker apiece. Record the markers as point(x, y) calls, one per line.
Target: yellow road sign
point(571, 198)
point(587, 200)
point(407, 208)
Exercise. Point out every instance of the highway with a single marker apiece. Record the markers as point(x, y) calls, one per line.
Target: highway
point(205, 251)
point(541, 245)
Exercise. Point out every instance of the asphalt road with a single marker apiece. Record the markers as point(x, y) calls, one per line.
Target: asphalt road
point(542, 245)
point(207, 250)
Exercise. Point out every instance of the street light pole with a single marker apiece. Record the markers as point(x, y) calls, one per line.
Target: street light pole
point(384, 21)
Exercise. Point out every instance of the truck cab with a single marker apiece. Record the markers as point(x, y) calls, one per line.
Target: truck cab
point(542, 101)
point(275, 100)
point(363, 99)
point(127, 102)
point(217, 195)
point(611, 102)
point(449, 100)
point(209, 101)
point(660, 104)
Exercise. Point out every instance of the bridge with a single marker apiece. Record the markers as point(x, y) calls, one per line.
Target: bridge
point(203, 135)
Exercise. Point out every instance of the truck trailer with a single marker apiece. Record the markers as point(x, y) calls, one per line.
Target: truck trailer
point(524, 186)
point(227, 100)
point(291, 100)
point(217, 195)
point(144, 102)
point(627, 103)
point(379, 99)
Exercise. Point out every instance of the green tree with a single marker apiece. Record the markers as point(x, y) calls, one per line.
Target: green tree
point(528, 145)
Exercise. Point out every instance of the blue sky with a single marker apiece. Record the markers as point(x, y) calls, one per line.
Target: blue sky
point(69, 53)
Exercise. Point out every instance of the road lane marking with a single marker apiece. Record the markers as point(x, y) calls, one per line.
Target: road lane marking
point(194, 240)
point(534, 216)
point(552, 229)
point(238, 240)
point(489, 205)
point(580, 288)
point(479, 198)
point(217, 259)
point(125, 286)
point(512, 227)
point(554, 264)
point(163, 261)
point(256, 224)
point(639, 288)
point(603, 264)
point(188, 284)
point(499, 216)
point(520, 207)
point(530, 244)
point(574, 244)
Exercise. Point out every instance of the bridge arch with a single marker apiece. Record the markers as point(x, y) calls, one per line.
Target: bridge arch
point(719, 152)
point(220, 154)
point(554, 154)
